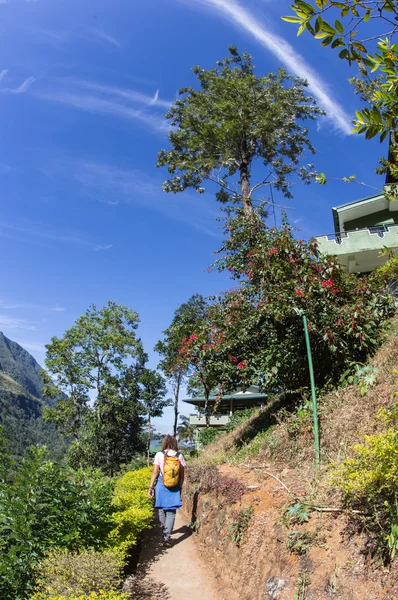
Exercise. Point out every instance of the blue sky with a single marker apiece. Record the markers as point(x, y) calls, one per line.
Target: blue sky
point(83, 91)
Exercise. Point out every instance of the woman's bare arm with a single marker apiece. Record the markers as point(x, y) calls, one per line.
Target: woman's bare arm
point(154, 476)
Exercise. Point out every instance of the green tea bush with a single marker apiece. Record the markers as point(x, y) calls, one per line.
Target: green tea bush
point(65, 574)
point(369, 479)
point(42, 506)
point(133, 510)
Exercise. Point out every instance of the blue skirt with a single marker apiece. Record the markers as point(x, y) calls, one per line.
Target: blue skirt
point(167, 498)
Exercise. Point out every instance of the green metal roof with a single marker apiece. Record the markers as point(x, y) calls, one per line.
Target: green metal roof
point(238, 396)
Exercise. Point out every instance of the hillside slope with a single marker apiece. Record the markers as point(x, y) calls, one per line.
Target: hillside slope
point(21, 400)
point(255, 499)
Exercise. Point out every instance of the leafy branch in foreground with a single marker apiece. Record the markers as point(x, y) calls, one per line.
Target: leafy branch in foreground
point(372, 49)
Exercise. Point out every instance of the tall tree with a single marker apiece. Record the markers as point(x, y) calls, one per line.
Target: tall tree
point(234, 120)
point(153, 391)
point(93, 370)
point(186, 432)
point(363, 31)
point(184, 322)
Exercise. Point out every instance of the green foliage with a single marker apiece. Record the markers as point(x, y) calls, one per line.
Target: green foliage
point(184, 322)
point(208, 435)
point(359, 374)
point(45, 505)
point(21, 402)
point(369, 479)
point(186, 432)
point(153, 391)
point(92, 596)
point(239, 417)
point(240, 524)
point(67, 574)
point(133, 510)
point(377, 83)
point(387, 274)
point(392, 541)
point(99, 353)
point(300, 541)
point(234, 120)
point(296, 513)
point(254, 333)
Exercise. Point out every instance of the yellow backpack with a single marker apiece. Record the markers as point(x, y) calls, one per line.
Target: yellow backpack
point(171, 470)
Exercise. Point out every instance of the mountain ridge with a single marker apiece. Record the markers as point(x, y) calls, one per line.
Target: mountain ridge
point(22, 401)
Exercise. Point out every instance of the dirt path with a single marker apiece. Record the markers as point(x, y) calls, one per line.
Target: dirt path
point(175, 573)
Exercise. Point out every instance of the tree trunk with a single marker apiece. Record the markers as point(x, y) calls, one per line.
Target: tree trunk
point(245, 189)
point(149, 441)
point(207, 414)
point(176, 398)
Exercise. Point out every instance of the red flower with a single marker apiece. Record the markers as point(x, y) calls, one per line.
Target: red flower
point(193, 336)
point(233, 359)
point(299, 293)
point(327, 284)
point(241, 365)
point(334, 290)
point(273, 250)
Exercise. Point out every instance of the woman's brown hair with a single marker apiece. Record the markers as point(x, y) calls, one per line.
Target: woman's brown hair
point(169, 443)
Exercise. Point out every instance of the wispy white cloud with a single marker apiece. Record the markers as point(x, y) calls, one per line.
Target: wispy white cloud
point(100, 248)
point(24, 85)
point(93, 104)
point(105, 37)
point(98, 98)
point(20, 89)
point(6, 305)
point(102, 182)
point(61, 36)
point(30, 232)
point(130, 95)
point(279, 47)
point(12, 323)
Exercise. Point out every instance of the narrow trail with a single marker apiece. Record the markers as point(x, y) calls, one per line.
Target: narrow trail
point(175, 573)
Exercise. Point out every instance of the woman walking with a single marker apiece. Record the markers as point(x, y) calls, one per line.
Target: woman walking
point(170, 463)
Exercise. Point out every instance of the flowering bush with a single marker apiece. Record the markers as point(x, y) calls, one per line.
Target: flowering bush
point(254, 332)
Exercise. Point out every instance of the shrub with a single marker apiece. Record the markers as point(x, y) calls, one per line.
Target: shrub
point(387, 275)
point(240, 416)
point(208, 435)
point(92, 596)
point(68, 575)
point(240, 524)
point(209, 480)
point(369, 480)
point(44, 505)
point(133, 510)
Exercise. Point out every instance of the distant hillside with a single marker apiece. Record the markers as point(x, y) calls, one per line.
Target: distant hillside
point(18, 364)
point(21, 400)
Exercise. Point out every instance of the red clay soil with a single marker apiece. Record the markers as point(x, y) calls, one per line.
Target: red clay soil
point(335, 564)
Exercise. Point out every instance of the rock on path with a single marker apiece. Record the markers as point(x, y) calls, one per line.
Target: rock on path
point(175, 573)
